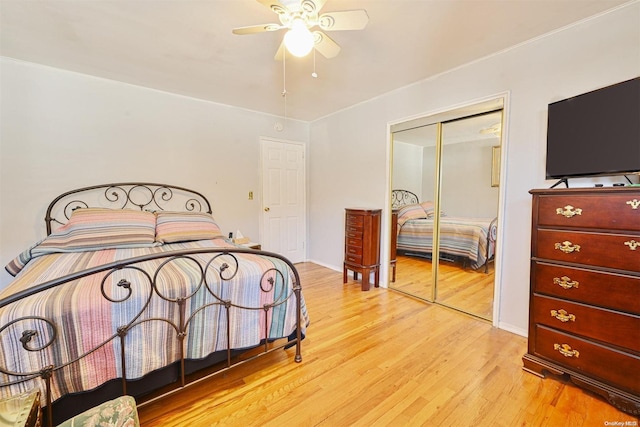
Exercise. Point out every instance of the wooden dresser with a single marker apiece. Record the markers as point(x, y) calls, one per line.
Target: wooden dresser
point(362, 245)
point(584, 313)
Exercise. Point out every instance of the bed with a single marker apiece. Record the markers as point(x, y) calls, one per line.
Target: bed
point(134, 290)
point(469, 240)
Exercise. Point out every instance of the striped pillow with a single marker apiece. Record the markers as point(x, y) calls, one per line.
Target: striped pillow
point(429, 208)
point(410, 212)
point(101, 228)
point(185, 226)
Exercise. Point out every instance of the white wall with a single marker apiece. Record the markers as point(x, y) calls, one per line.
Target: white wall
point(466, 180)
point(349, 149)
point(62, 130)
point(407, 167)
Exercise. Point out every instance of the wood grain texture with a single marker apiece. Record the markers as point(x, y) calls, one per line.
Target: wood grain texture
point(459, 287)
point(379, 358)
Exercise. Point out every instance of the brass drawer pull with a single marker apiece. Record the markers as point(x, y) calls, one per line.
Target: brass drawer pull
point(565, 282)
point(632, 244)
point(566, 350)
point(567, 247)
point(563, 316)
point(635, 203)
point(569, 211)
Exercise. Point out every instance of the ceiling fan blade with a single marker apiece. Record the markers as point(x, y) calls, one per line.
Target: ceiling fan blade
point(325, 45)
point(312, 7)
point(275, 6)
point(253, 29)
point(344, 20)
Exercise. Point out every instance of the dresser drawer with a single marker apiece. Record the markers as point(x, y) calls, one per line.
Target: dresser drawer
point(353, 234)
point(353, 259)
point(353, 230)
point(609, 290)
point(621, 212)
point(589, 358)
point(353, 250)
point(616, 251)
point(355, 221)
point(353, 241)
point(588, 321)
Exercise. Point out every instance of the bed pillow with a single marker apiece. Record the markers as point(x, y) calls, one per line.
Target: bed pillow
point(429, 208)
point(102, 228)
point(410, 212)
point(19, 262)
point(174, 227)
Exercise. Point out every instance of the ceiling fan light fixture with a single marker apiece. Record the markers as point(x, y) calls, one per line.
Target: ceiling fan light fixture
point(299, 40)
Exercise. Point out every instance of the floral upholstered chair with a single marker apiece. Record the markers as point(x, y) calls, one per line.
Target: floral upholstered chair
point(119, 412)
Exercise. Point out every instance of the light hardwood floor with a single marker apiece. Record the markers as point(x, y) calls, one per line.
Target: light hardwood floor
point(459, 286)
point(380, 358)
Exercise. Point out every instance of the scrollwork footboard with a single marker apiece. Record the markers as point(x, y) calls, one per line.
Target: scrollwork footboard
point(125, 319)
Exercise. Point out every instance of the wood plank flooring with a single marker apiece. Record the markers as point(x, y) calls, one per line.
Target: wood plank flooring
point(459, 287)
point(380, 358)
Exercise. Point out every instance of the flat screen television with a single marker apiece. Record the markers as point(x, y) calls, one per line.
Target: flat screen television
point(596, 133)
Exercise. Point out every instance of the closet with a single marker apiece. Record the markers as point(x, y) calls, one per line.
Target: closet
point(451, 162)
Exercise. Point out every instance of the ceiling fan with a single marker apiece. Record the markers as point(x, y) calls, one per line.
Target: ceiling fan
point(298, 17)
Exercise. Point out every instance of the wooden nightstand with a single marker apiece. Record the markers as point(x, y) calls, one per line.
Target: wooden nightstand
point(252, 245)
point(362, 245)
point(22, 410)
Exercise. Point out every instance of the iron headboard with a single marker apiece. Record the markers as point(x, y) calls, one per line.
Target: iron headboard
point(400, 198)
point(125, 195)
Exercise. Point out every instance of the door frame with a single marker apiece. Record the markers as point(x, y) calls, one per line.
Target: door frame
point(386, 211)
point(261, 222)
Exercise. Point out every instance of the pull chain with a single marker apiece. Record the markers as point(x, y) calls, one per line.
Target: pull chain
point(314, 74)
point(284, 82)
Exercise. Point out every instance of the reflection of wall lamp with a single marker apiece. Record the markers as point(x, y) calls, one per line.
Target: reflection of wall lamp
point(298, 40)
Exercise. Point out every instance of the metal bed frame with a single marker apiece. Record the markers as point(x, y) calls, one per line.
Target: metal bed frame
point(153, 197)
point(400, 198)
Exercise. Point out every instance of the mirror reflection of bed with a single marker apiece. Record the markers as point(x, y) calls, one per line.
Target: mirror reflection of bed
point(445, 180)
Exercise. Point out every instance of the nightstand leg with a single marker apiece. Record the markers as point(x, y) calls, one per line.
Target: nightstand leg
point(365, 279)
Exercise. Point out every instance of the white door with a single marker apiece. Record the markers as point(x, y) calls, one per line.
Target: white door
point(283, 198)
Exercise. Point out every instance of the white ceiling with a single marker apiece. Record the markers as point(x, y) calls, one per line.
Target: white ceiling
point(186, 46)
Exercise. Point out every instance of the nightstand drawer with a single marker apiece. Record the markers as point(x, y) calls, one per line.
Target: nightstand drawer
point(587, 321)
point(355, 221)
point(621, 212)
point(354, 241)
point(354, 250)
point(618, 251)
point(592, 359)
point(353, 259)
point(609, 290)
point(353, 232)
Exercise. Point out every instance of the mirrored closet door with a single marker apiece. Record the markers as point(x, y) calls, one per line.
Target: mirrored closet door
point(446, 188)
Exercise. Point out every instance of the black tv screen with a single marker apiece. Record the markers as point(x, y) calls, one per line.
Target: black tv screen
point(596, 133)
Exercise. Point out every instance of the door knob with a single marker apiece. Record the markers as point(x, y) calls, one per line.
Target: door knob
point(266, 209)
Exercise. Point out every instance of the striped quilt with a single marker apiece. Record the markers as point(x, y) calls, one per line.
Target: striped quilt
point(84, 319)
point(459, 236)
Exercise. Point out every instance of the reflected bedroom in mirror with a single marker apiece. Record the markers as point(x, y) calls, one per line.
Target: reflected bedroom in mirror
point(445, 198)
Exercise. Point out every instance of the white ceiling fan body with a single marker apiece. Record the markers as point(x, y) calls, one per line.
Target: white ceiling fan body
point(308, 11)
